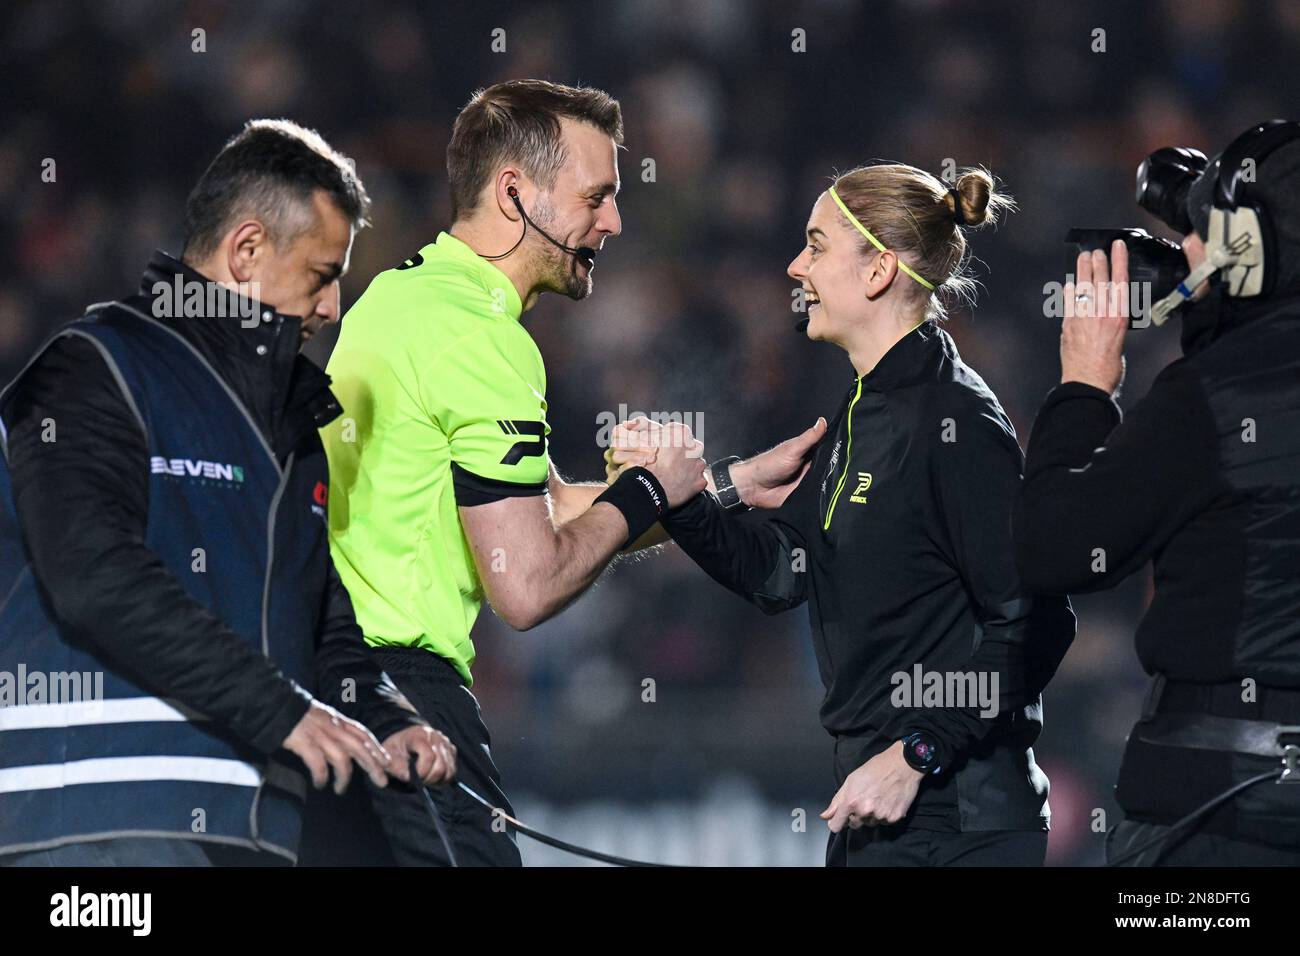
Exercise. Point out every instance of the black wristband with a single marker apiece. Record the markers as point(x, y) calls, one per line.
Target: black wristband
point(640, 498)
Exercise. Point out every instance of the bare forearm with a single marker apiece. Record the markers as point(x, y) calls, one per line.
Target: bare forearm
point(544, 558)
point(572, 499)
point(546, 567)
point(583, 548)
point(569, 500)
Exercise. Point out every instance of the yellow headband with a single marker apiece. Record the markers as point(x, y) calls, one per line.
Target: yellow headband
point(873, 240)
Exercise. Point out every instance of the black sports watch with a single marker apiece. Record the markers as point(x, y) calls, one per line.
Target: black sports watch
point(921, 751)
point(726, 492)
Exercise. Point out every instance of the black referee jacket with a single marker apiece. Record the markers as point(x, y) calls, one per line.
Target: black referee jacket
point(898, 539)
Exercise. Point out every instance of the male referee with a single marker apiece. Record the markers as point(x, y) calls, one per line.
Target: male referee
point(442, 490)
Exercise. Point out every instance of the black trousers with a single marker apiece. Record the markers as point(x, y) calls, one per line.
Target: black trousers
point(371, 826)
point(1190, 848)
point(910, 846)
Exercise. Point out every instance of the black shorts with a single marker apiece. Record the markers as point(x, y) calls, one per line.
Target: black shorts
point(391, 825)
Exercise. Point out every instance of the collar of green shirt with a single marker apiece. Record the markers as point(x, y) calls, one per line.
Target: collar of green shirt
point(450, 247)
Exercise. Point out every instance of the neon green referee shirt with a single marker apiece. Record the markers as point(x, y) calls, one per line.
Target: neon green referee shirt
point(443, 395)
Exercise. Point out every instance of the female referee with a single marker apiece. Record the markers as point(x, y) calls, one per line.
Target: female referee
point(898, 539)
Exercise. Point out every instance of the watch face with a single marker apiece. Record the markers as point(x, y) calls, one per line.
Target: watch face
point(920, 753)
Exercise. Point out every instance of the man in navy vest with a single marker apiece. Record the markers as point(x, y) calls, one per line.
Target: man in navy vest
point(175, 644)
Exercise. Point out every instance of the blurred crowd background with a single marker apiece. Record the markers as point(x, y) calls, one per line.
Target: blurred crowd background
point(692, 309)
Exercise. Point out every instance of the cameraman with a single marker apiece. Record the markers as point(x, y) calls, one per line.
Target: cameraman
point(1203, 478)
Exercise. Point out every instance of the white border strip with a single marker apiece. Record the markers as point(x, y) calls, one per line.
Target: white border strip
point(127, 710)
point(129, 769)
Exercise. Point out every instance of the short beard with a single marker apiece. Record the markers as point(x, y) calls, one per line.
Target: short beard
point(559, 269)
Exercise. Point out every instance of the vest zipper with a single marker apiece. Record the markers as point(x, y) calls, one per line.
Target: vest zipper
point(285, 477)
point(848, 458)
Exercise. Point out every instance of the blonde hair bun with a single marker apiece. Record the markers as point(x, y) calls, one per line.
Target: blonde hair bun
point(980, 204)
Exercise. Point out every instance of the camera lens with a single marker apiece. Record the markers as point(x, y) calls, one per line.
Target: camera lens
point(1155, 266)
point(1163, 181)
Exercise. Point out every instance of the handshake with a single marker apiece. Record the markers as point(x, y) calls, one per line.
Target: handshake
point(676, 458)
point(669, 451)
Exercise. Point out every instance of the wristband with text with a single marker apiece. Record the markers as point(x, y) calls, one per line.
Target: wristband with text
point(640, 498)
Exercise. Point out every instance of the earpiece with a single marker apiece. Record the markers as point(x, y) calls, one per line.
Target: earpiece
point(584, 253)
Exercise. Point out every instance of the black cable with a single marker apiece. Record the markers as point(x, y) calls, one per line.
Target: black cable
point(512, 248)
point(433, 812)
point(624, 861)
point(553, 842)
point(557, 843)
point(1194, 816)
point(585, 253)
point(514, 195)
point(517, 826)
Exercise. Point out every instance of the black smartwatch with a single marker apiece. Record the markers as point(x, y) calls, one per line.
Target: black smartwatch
point(921, 751)
point(725, 488)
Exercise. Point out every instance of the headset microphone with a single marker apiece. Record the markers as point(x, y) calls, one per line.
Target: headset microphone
point(1215, 259)
point(586, 253)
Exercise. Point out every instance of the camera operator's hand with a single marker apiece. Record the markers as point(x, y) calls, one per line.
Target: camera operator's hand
point(1096, 319)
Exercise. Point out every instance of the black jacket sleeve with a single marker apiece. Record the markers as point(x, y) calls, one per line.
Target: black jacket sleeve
point(346, 675)
point(761, 556)
point(973, 480)
point(1100, 498)
point(80, 471)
